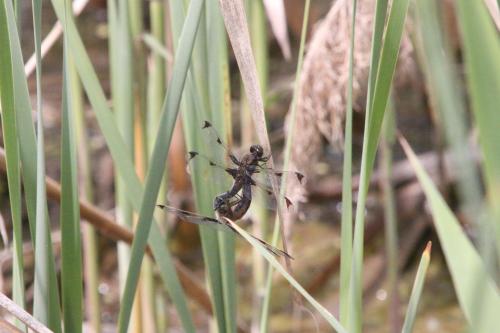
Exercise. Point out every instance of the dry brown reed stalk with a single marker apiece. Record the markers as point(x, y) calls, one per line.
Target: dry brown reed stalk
point(323, 88)
point(234, 16)
point(11, 307)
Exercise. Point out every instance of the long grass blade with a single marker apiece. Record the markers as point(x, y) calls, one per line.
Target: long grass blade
point(217, 87)
point(156, 89)
point(122, 161)
point(276, 265)
point(204, 191)
point(120, 53)
point(416, 292)
point(477, 293)
point(258, 34)
point(71, 267)
point(288, 149)
point(483, 79)
point(218, 249)
point(388, 138)
point(11, 144)
point(445, 95)
point(158, 158)
point(89, 236)
point(375, 115)
point(346, 220)
point(41, 297)
point(46, 306)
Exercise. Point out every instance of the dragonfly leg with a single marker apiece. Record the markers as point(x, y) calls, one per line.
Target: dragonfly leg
point(243, 203)
point(222, 199)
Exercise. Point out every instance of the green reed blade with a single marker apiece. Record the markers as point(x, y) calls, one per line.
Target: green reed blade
point(11, 145)
point(123, 162)
point(416, 292)
point(477, 293)
point(71, 266)
point(158, 158)
point(375, 114)
point(482, 64)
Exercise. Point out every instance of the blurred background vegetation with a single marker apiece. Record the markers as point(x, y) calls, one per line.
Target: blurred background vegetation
point(396, 131)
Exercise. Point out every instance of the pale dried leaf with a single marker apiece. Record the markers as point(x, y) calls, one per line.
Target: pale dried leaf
point(233, 13)
point(275, 11)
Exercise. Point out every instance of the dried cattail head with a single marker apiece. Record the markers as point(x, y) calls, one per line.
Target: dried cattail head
point(323, 84)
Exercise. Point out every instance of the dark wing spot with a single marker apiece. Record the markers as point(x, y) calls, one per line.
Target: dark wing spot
point(278, 174)
point(206, 124)
point(160, 206)
point(288, 202)
point(219, 141)
point(286, 254)
point(299, 176)
point(211, 163)
point(269, 192)
point(209, 219)
point(192, 154)
point(275, 251)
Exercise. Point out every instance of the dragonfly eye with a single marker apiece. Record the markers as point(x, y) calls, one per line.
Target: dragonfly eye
point(257, 150)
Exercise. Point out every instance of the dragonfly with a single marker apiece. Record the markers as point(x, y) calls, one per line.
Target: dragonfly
point(242, 172)
point(235, 202)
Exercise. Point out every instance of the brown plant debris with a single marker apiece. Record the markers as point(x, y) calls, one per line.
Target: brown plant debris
point(323, 83)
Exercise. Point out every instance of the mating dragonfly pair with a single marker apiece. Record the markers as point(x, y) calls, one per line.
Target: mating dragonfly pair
point(234, 203)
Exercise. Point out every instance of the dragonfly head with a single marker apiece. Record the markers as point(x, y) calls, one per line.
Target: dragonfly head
point(257, 150)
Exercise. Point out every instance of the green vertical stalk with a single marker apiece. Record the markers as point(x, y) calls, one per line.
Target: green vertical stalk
point(121, 158)
point(18, 11)
point(46, 306)
point(387, 141)
point(346, 220)
point(28, 158)
point(416, 292)
point(378, 93)
point(136, 28)
point(71, 267)
point(483, 79)
point(122, 92)
point(264, 320)
point(447, 99)
point(90, 250)
point(156, 86)
point(120, 49)
point(217, 88)
point(158, 160)
point(41, 297)
point(258, 35)
point(157, 71)
point(11, 145)
point(194, 111)
point(90, 255)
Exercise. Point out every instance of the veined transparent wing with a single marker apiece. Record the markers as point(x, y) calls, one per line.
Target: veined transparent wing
point(218, 224)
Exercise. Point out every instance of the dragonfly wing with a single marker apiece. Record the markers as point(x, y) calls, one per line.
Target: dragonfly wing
point(219, 177)
point(281, 173)
point(216, 139)
point(275, 251)
point(218, 224)
point(197, 219)
point(267, 189)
